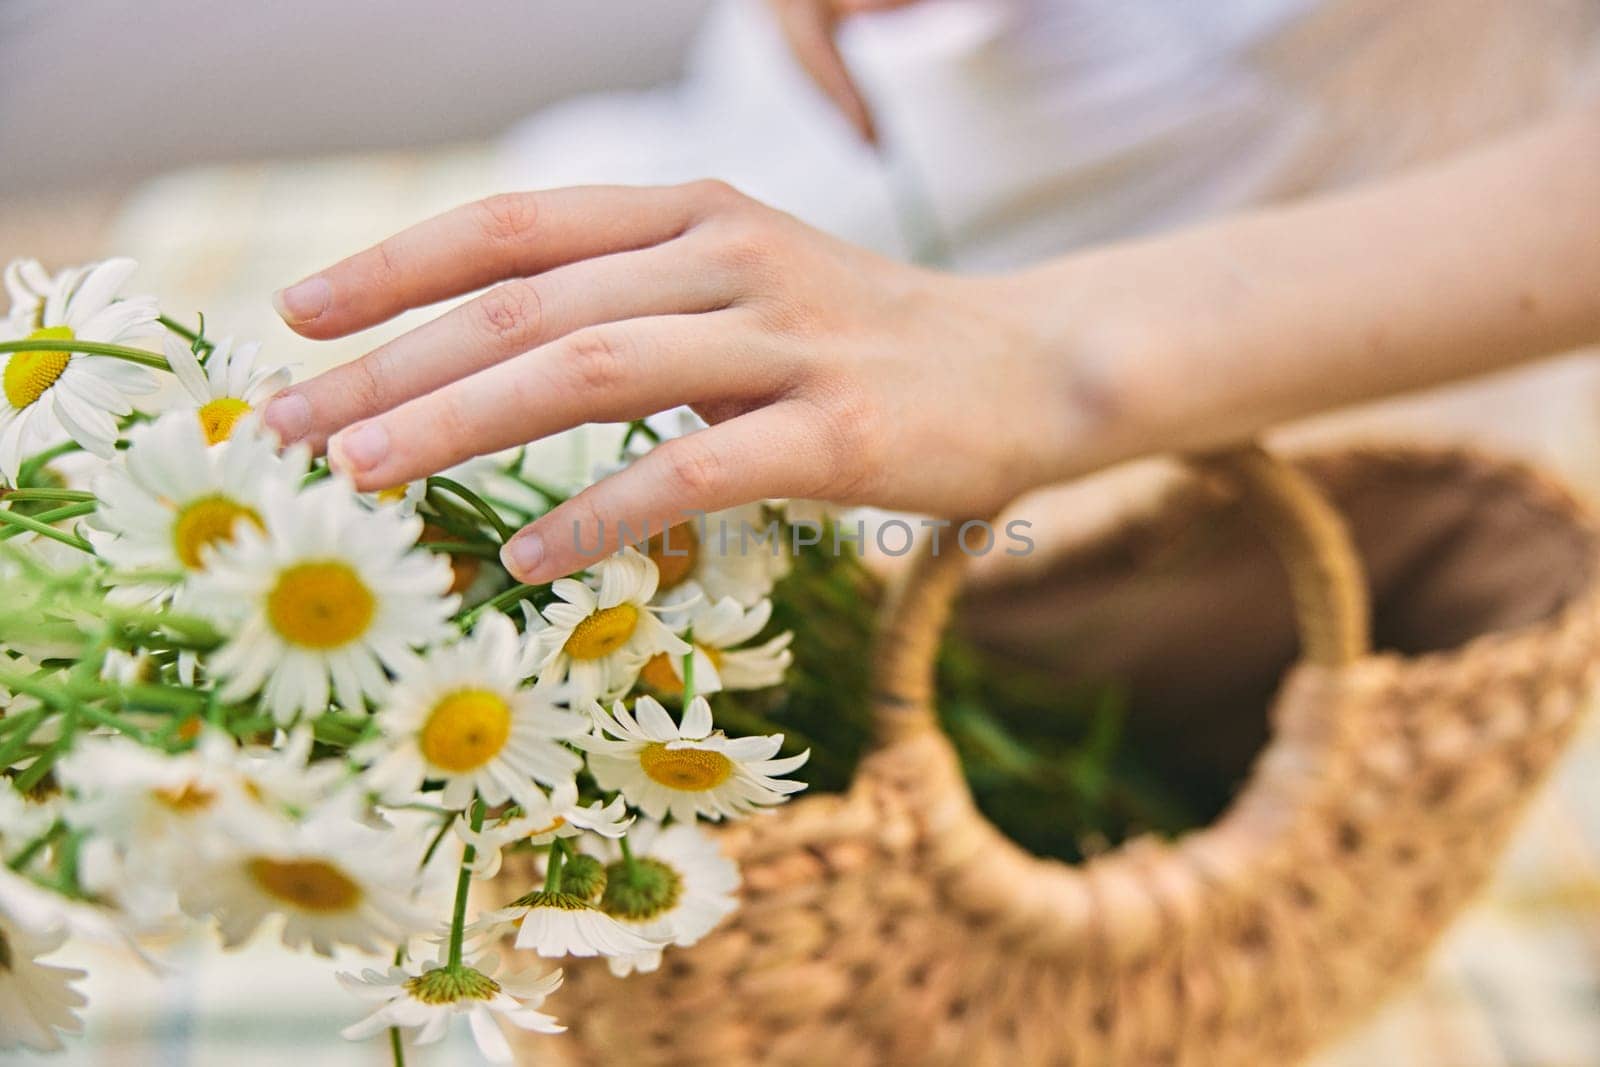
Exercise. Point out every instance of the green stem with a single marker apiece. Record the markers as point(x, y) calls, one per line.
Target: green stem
point(397, 1047)
point(42, 763)
point(196, 631)
point(627, 857)
point(116, 722)
point(461, 548)
point(192, 336)
point(496, 602)
point(73, 693)
point(638, 428)
point(32, 464)
point(438, 839)
point(13, 746)
point(40, 524)
point(458, 921)
point(89, 348)
point(36, 846)
point(552, 870)
point(476, 502)
point(688, 670)
point(72, 495)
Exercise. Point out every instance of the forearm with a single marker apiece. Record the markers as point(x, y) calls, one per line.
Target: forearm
point(1213, 334)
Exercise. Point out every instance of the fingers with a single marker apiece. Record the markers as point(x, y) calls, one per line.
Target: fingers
point(507, 320)
point(511, 235)
point(809, 27)
point(775, 451)
point(607, 373)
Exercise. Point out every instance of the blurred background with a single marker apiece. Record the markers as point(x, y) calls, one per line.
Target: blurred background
point(234, 148)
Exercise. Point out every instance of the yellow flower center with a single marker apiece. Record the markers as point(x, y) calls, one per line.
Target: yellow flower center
point(218, 417)
point(322, 604)
point(186, 798)
point(310, 885)
point(394, 494)
point(659, 675)
point(675, 554)
point(603, 632)
point(466, 730)
point(29, 374)
point(206, 522)
point(451, 985)
point(692, 770)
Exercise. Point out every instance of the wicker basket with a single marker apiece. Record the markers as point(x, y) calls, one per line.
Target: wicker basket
point(894, 925)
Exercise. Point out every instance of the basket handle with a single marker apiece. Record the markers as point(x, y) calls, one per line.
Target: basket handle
point(1306, 533)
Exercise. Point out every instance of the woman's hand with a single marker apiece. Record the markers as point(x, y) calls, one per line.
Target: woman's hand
point(826, 371)
point(810, 28)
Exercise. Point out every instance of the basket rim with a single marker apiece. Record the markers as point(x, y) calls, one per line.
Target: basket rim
point(1067, 906)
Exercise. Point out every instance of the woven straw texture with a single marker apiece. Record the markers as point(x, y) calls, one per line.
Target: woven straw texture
point(895, 925)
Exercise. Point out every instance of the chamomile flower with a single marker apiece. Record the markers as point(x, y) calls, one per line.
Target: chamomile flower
point(37, 1000)
point(228, 387)
point(540, 822)
point(676, 889)
point(327, 592)
point(555, 924)
point(716, 631)
point(170, 501)
point(427, 999)
point(688, 771)
point(739, 553)
point(333, 879)
point(147, 815)
point(459, 716)
point(595, 640)
point(46, 394)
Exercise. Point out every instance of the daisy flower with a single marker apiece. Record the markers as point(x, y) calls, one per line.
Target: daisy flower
point(170, 502)
point(37, 1000)
point(335, 881)
point(44, 911)
point(676, 888)
point(328, 591)
point(540, 821)
point(739, 553)
point(555, 924)
point(597, 639)
point(46, 394)
point(687, 770)
point(229, 386)
point(426, 1000)
point(459, 716)
point(148, 814)
point(716, 630)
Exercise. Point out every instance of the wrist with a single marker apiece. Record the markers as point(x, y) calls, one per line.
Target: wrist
point(1105, 347)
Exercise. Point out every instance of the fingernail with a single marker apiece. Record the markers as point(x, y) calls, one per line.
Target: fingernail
point(522, 555)
point(359, 448)
point(289, 416)
point(303, 301)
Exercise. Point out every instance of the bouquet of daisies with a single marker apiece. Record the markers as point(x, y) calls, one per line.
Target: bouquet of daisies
point(234, 690)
